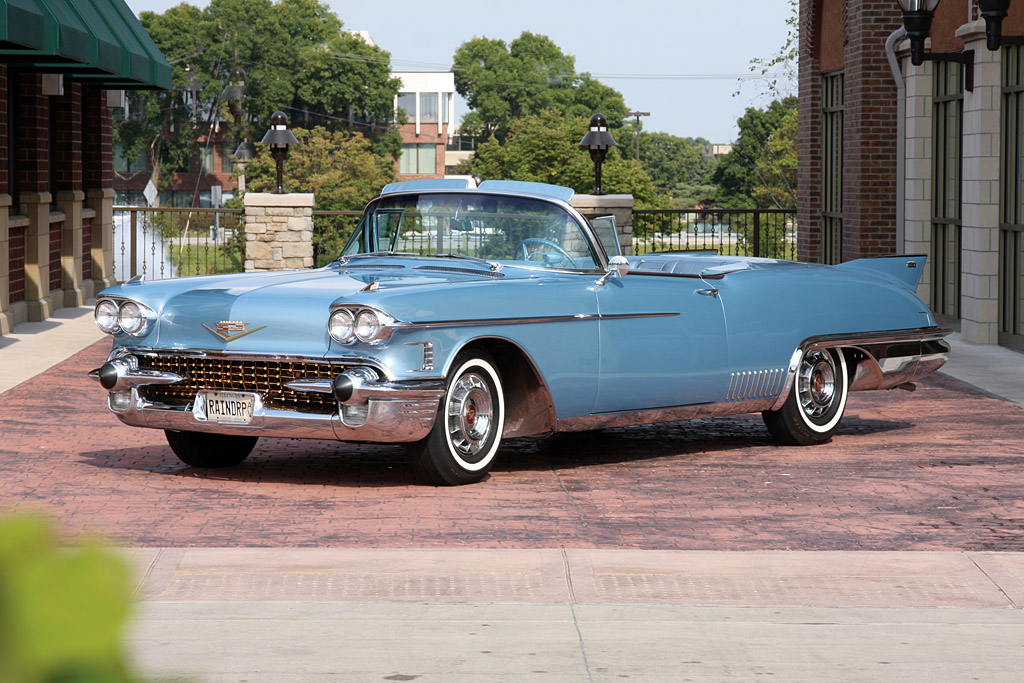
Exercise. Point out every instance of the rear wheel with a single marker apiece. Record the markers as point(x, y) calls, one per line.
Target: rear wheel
point(461, 447)
point(210, 450)
point(815, 405)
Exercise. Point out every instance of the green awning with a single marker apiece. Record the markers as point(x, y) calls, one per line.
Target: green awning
point(99, 42)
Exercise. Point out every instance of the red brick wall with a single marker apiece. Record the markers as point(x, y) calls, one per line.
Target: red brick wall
point(869, 131)
point(33, 135)
point(55, 239)
point(86, 248)
point(16, 260)
point(809, 166)
point(68, 137)
point(97, 147)
point(4, 144)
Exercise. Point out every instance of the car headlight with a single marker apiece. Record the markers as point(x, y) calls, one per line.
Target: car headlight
point(368, 325)
point(105, 316)
point(342, 325)
point(133, 318)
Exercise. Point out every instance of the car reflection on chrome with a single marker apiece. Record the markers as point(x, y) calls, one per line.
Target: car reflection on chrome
point(456, 318)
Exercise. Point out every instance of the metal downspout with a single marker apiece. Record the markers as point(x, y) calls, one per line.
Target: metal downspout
point(901, 136)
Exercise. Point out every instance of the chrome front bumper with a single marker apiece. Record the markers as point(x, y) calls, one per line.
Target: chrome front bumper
point(373, 410)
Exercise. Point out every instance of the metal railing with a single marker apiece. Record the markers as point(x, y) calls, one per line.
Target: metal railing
point(331, 230)
point(161, 243)
point(769, 233)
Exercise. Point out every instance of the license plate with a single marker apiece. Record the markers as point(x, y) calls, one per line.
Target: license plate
point(225, 406)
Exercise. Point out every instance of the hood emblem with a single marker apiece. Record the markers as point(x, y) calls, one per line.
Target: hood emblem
point(230, 330)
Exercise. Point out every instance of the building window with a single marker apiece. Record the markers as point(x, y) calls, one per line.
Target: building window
point(428, 107)
point(407, 104)
point(126, 166)
point(832, 171)
point(179, 199)
point(206, 158)
point(418, 159)
point(1011, 225)
point(227, 163)
point(947, 165)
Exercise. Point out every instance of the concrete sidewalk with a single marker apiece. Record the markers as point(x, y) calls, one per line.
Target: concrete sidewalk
point(577, 615)
point(33, 348)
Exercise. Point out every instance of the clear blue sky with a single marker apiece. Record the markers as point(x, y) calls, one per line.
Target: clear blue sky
point(686, 37)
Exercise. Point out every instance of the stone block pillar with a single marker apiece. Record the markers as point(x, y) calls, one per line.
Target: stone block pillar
point(36, 205)
point(101, 201)
point(278, 231)
point(917, 198)
point(979, 310)
point(618, 205)
point(70, 202)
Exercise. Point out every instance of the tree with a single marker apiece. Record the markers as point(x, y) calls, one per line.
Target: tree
point(288, 55)
point(530, 75)
point(545, 148)
point(779, 72)
point(752, 162)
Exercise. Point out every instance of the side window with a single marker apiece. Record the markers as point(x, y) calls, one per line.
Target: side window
point(607, 232)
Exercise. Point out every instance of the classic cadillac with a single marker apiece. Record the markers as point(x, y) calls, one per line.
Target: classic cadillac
point(456, 318)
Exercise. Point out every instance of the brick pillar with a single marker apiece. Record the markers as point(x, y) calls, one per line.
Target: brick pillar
point(917, 199)
point(869, 132)
point(618, 205)
point(98, 179)
point(979, 305)
point(6, 317)
point(278, 231)
point(69, 189)
point(809, 168)
point(5, 146)
point(34, 195)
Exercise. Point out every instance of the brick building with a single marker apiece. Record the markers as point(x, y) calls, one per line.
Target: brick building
point(62, 66)
point(914, 161)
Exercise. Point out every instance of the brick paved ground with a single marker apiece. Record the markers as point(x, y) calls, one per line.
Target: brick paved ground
point(939, 469)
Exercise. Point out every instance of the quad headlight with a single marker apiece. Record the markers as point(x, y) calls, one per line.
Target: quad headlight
point(368, 325)
point(130, 317)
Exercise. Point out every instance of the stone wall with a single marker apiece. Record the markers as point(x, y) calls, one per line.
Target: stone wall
point(618, 205)
point(278, 231)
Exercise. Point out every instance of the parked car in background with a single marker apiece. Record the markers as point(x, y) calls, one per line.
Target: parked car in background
point(456, 318)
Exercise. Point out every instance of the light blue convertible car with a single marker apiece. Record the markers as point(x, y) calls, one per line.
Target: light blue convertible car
point(459, 317)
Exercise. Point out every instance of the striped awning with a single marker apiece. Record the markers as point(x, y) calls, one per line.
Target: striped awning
point(99, 42)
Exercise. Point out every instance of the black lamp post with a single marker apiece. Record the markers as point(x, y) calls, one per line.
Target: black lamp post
point(243, 155)
point(917, 21)
point(598, 140)
point(279, 138)
point(993, 12)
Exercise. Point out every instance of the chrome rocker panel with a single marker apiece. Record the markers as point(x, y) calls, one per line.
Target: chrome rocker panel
point(889, 359)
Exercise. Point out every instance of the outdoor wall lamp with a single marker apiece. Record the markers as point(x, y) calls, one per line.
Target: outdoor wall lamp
point(598, 140)
point(917, 21)
point(279, 138)
point(993, 12)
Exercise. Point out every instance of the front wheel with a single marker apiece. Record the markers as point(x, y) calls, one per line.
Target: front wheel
point(815, 404)
point(210, 450)
point(460, 448)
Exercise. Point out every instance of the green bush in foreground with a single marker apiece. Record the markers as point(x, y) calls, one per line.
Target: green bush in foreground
point(61, 610)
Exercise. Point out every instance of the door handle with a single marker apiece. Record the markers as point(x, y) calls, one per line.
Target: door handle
point(707, 292)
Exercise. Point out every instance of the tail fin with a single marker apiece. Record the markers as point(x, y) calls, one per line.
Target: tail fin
point(905, 269)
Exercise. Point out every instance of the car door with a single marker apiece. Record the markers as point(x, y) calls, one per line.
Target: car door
point(661, 342)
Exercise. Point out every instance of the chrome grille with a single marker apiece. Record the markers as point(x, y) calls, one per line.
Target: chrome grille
point(264, 377)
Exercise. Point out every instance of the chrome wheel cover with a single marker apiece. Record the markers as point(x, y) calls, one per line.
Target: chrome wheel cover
point(470, 414)
point(816, 384)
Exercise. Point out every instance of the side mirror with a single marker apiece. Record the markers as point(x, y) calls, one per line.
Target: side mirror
point(617, 266)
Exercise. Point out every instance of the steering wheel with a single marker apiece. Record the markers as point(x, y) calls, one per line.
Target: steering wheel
point(522, 247)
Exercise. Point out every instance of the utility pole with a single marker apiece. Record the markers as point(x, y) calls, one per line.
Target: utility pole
point(638, 114)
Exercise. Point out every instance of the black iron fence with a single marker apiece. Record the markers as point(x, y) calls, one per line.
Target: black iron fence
point(331, 230)
point(770, 233)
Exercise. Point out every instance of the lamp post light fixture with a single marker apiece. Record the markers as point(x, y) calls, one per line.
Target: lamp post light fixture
point(917, 21)
point(279, 138)
point(598, 140)
point(243, 155)
point(993, 12)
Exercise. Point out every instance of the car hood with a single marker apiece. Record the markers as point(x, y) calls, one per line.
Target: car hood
point(267, 312)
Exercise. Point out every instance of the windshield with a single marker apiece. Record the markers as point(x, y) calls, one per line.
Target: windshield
point(496, 228)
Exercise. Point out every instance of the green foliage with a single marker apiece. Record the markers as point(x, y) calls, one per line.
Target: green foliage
point(291, 55)
point(672, 162)
point(779, 72)
point(754, 162)
point(61, 611)
point(545, 148)
point(529, 76)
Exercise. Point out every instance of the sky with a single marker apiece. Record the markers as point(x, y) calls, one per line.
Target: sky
point(672, 40)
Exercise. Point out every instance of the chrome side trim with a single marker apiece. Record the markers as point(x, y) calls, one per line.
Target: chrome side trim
point(580, 317)
point(755, 384)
